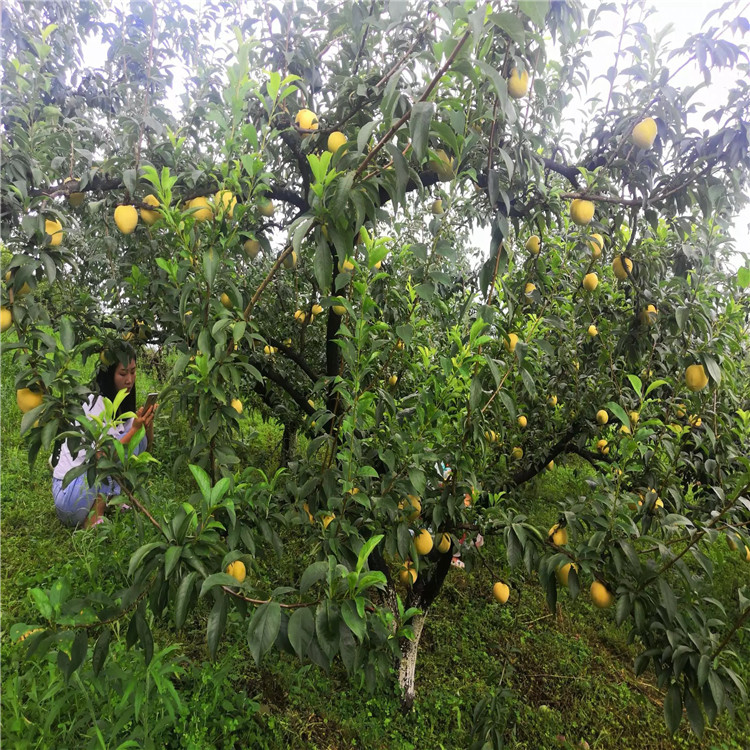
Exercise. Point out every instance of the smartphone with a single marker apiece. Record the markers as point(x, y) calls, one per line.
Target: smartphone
point(151, 400)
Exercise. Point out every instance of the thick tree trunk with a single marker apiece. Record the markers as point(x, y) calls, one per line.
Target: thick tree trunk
point(288, 444)
point(408, 664)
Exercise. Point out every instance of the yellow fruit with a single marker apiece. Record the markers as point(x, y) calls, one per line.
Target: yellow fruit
point(327, 520)
point(622, 267)
point(581, 211)
point(602, 417)
point(552, 400)
point(533, 245)
point(576, 364)
point(416, 507)
point(126, 219)
point(679, 411)
point(399, 345)
point(550, 466)
point(596, 243)
point(558, 534)
point(625, 429)
point(522, 421)
point(268, 350)
point(644, 133)
point(694, 420)
point(340, 310)
point(393, 380)
point(601, 596)
point(346, 267)
point(266, 208)
point(444, 544)
point(251, 248)
point(593, 331)
point(510, 344)
point(317, 309)
point(407, 575)
point(601, 446)
point(225, 201)
point(226, 301)
point(236, 405)
point(54, 230)
point(443, 167)
point(6, 319)
point(28, 399)
point(335, 141)
point(747, 553)
point(501, 592)
point(150, 217)
point(491, 435)
point(634, 416)
point(423, 542)
point(306, 119)
point(529, 289)
point(563, 573)
point(290, 262)
point(300, 317)
point(237, 570)
point(518, 84)
point(517, 453)
point(659, 503)
point(590, 282)
point(648, 315)
point(437, 207)
point(200, 209)
point(696, 378)
point(74, 199)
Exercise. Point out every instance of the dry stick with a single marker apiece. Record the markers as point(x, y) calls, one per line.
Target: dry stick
point(247, 599)
point(133, 499)
point(407, 115)
point(728, 637)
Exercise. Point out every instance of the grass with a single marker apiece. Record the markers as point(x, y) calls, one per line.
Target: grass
point(569, 672)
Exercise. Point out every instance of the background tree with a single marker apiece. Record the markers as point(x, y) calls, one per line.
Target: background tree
point(303, 244)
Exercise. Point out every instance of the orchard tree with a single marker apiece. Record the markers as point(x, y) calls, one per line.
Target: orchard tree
point(279, 201)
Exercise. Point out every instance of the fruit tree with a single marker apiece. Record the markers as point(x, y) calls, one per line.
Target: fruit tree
point(279, 202)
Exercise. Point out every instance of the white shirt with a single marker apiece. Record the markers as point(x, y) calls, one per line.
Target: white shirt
point(67, 461)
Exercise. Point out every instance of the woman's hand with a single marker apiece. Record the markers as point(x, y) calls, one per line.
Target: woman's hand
point(144, 417)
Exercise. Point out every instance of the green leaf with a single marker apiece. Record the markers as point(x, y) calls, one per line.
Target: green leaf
point(323, 267)
point(637, 384)
point(204, 483)
point(694, 714)
point(171, 558)
point(314, 573)
point(263, 629)
point(301, 630)
point(140, 554)
point(352, 619)
point(182, 600)
point(366, 551)
point(217, 579)
point(656, 384)
point(217, 621)
point(78, 650)
point(536, 10)
point(327, 620)
point(101, 649)
point(419, 128)
point(743, 277)
point(713, 368)
point(673, 708)
point(619, 412)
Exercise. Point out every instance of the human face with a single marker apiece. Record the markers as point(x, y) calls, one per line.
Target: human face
point(125, 376)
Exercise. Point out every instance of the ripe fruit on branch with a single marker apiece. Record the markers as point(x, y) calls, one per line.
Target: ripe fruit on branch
point(529, 289)
point(316, 309)
point(602, 417)
point(601, 596)
point(517, 453)
point(28, 399)
point(423, 542)
point(581, 211)
point(563, 573)
point(518, 83)
point(593, 331)
point(648, 315)
point(226, 300)
point(522, 421)
point(300, 317)
point(75, 199)
point(491, 435)
point(225, 201)
point(501, 592)
point(622, 267)
point(200, 209)
point(533, 244)
point(437, 207)
point(236, 405)
point(443, 167)
point(266, 208)
point(6, 319)
point(559, 535)
point(644, 133)
point(602, 447)
point(596, 243)
point(335, 141)
point(510, 344)
point(414, 507)
point(340, 310)
point(251, 248)
point(237, 570)
point(54, 230)
point(150, 217)
point(346, 266)
point(590, 282)
point(392, 380)
point(444, 544)
point(407, 575)
point(552, 400)
point(306, 119)
point(696, 378)
point(290, 262)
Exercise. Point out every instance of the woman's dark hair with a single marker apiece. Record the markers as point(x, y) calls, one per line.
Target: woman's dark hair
point(105, 378)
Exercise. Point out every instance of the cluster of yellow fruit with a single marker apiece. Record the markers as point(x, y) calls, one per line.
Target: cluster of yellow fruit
point(307, 122)
point(303, 317)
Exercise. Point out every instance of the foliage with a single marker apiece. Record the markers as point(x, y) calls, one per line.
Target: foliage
point(414, 367)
